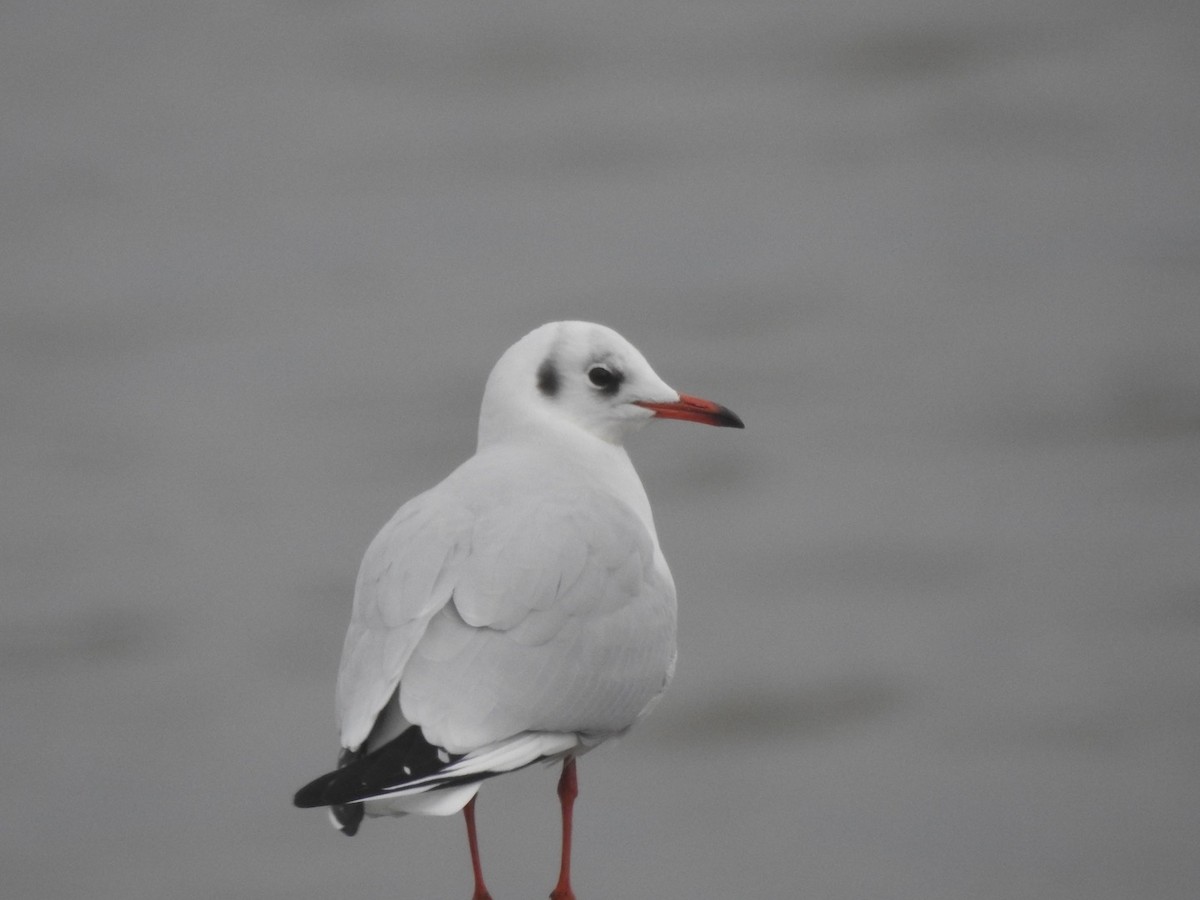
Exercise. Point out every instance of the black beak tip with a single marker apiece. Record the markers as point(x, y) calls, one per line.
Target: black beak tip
point(727, 418)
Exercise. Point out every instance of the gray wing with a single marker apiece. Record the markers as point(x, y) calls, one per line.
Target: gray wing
point(561, 619)
point(406, 576)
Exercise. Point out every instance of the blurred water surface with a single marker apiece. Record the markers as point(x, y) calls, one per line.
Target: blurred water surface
point(940, 601)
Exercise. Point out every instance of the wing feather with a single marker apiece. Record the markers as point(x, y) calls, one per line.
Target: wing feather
point(406, 576)
point(497, 607)
point(565, 624)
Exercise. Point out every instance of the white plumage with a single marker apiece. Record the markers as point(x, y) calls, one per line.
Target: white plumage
point(506, 601)
point(522, 609)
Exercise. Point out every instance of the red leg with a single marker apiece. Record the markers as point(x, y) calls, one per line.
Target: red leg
point(568, 790)
point(481, 891)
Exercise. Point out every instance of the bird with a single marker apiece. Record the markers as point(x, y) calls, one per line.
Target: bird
point(521, 610)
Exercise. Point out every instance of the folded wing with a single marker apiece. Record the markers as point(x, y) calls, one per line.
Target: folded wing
point(518, 611)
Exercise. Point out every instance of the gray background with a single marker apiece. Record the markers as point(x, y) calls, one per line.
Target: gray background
point(941, 599)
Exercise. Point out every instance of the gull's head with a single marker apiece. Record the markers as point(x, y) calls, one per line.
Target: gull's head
point(578, 375)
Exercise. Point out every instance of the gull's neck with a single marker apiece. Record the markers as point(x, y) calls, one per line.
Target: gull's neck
point(603, 463)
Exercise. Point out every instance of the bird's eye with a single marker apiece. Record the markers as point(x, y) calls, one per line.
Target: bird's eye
point(603, 378)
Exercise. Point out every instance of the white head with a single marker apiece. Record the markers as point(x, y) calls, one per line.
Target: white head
point(586, 376)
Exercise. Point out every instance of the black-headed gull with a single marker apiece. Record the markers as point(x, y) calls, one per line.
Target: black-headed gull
point(521, 610)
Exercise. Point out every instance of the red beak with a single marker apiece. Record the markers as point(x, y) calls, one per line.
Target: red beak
point(694, 409)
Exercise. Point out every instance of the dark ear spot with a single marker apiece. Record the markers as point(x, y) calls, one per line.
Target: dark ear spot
point(548, 379)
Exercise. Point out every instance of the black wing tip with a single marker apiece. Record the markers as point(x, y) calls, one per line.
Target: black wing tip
point(361, 775)
point(313, 793)
point(317, 792)
point(347, 817)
